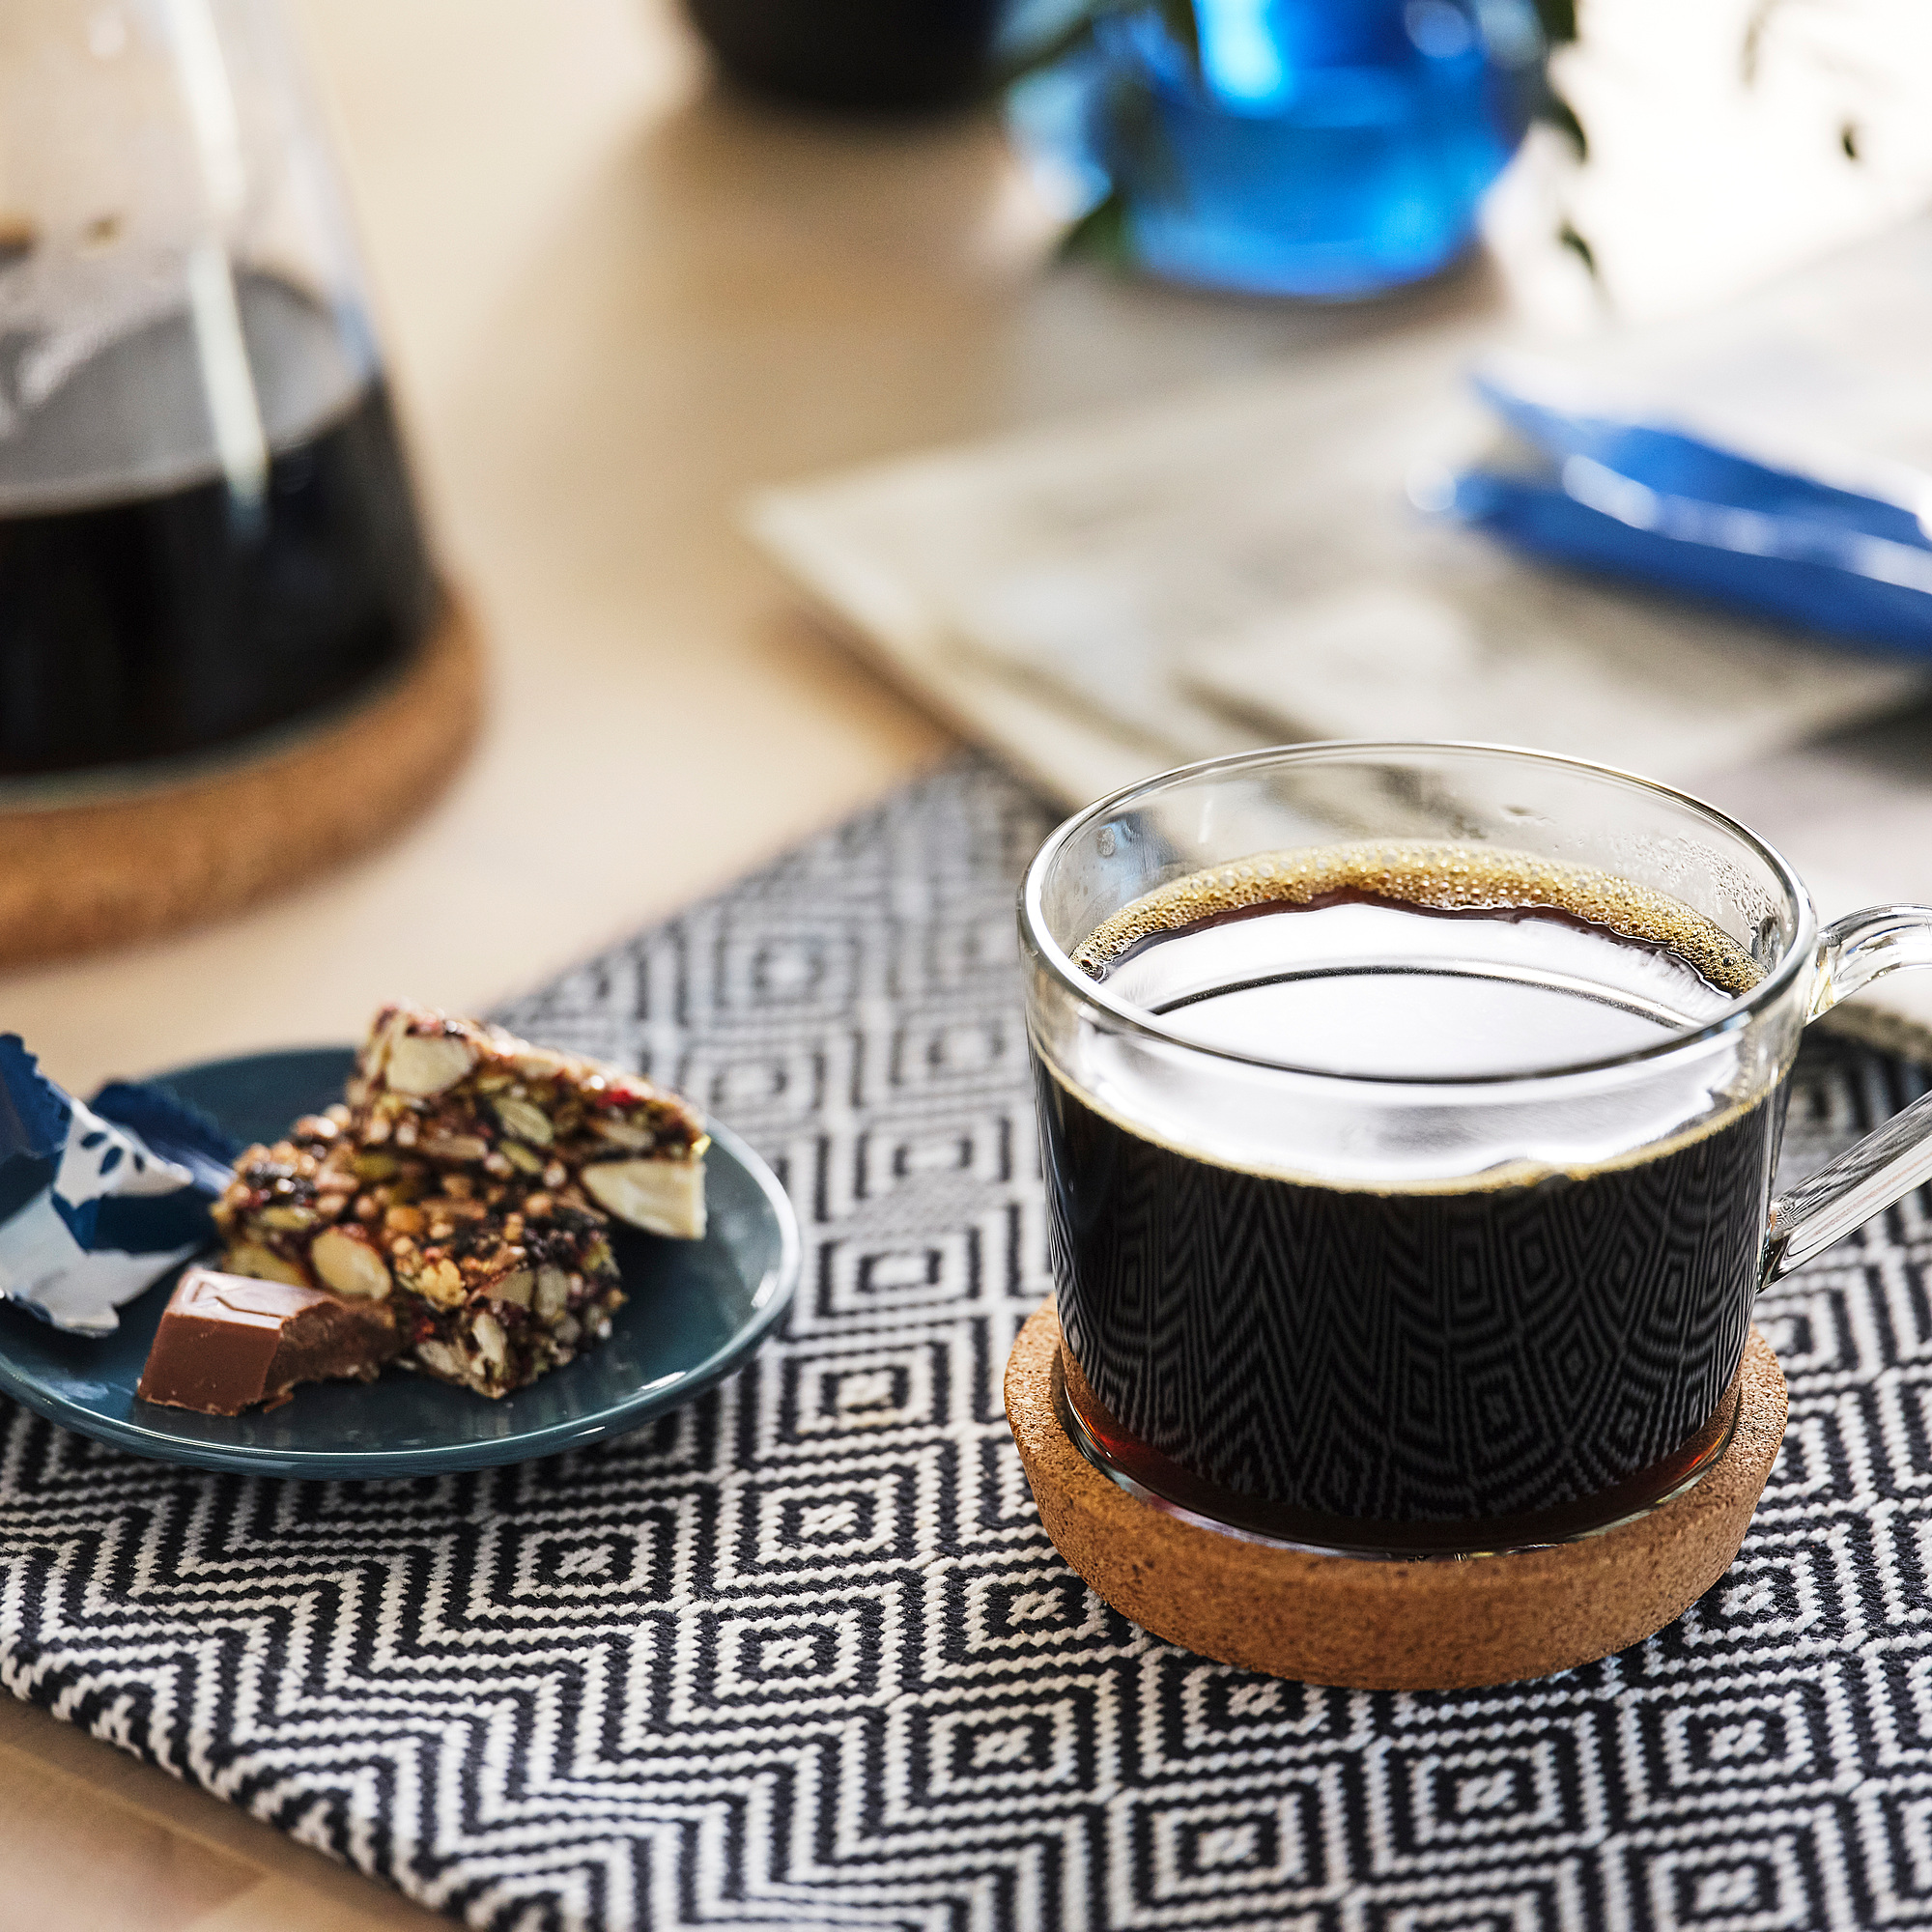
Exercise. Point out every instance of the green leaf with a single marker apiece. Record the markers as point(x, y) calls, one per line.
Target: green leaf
point(1751, 50)
point(1140, 163)
point(1561, 116)
point(1139, 158)
point(1176, 16)
point(1102, 234)
point(1023, 61)
point(1578, 247)
point(1558, 18)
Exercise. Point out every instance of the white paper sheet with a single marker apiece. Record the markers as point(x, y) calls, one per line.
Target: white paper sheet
point(1243, 565)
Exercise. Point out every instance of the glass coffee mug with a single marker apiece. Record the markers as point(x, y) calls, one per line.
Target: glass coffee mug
point(1409, 1121)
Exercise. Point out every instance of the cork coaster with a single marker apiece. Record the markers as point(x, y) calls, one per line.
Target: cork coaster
point(1444, 1624)
point(104, 871)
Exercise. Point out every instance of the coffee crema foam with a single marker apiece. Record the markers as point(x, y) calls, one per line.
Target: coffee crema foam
point(1440, 877)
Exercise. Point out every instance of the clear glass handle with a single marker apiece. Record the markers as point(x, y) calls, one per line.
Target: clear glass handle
point(1890, 1162)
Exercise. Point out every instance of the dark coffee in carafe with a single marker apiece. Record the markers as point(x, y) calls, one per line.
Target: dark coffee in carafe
point(1386, 1363)
point(152, 602)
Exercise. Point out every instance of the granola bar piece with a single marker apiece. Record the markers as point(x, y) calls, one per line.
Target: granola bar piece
point(465, 1094)
point(493, 1282)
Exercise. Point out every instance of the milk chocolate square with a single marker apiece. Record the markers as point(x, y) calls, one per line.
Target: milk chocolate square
point(228, 1342)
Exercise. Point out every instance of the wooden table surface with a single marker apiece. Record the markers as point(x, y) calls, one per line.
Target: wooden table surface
point(614, 297)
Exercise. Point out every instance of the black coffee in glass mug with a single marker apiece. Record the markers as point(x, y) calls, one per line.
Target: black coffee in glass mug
point(1409, 1117)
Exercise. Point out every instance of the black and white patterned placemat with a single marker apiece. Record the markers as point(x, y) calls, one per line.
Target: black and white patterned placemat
point(800, 1655)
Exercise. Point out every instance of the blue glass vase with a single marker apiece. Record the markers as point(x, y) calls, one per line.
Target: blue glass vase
point(1317, 148)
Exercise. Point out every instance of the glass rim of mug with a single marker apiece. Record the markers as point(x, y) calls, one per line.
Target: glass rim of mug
point(1074, 979)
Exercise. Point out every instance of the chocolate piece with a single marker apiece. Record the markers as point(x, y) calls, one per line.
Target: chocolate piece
point(229, 1342)
point(465, 1095)
point(491, 1282)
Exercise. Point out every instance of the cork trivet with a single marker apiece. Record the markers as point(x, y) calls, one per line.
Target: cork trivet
point(97, 872)
point(1444, 1624)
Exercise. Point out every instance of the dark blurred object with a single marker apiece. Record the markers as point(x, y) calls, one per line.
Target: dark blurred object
point(873, 55)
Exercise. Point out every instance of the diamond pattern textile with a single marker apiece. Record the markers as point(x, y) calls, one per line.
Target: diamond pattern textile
point(800, 1653)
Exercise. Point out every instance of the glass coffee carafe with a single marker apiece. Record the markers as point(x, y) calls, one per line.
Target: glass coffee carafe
point(207, 529)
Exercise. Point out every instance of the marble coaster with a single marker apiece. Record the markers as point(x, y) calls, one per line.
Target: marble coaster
point(1439, 1624)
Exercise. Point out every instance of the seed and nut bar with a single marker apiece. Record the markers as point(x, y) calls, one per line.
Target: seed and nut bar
point(493, 1280)
point(470, 1096)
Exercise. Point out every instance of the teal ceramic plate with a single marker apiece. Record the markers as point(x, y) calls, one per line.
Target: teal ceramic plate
point(696, 1309)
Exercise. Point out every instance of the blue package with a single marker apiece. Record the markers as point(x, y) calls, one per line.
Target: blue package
point(1661, 507)
point(96, 1202)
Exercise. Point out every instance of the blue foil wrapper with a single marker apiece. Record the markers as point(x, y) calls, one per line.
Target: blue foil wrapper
point(98, 1201)
point(1656, 505)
